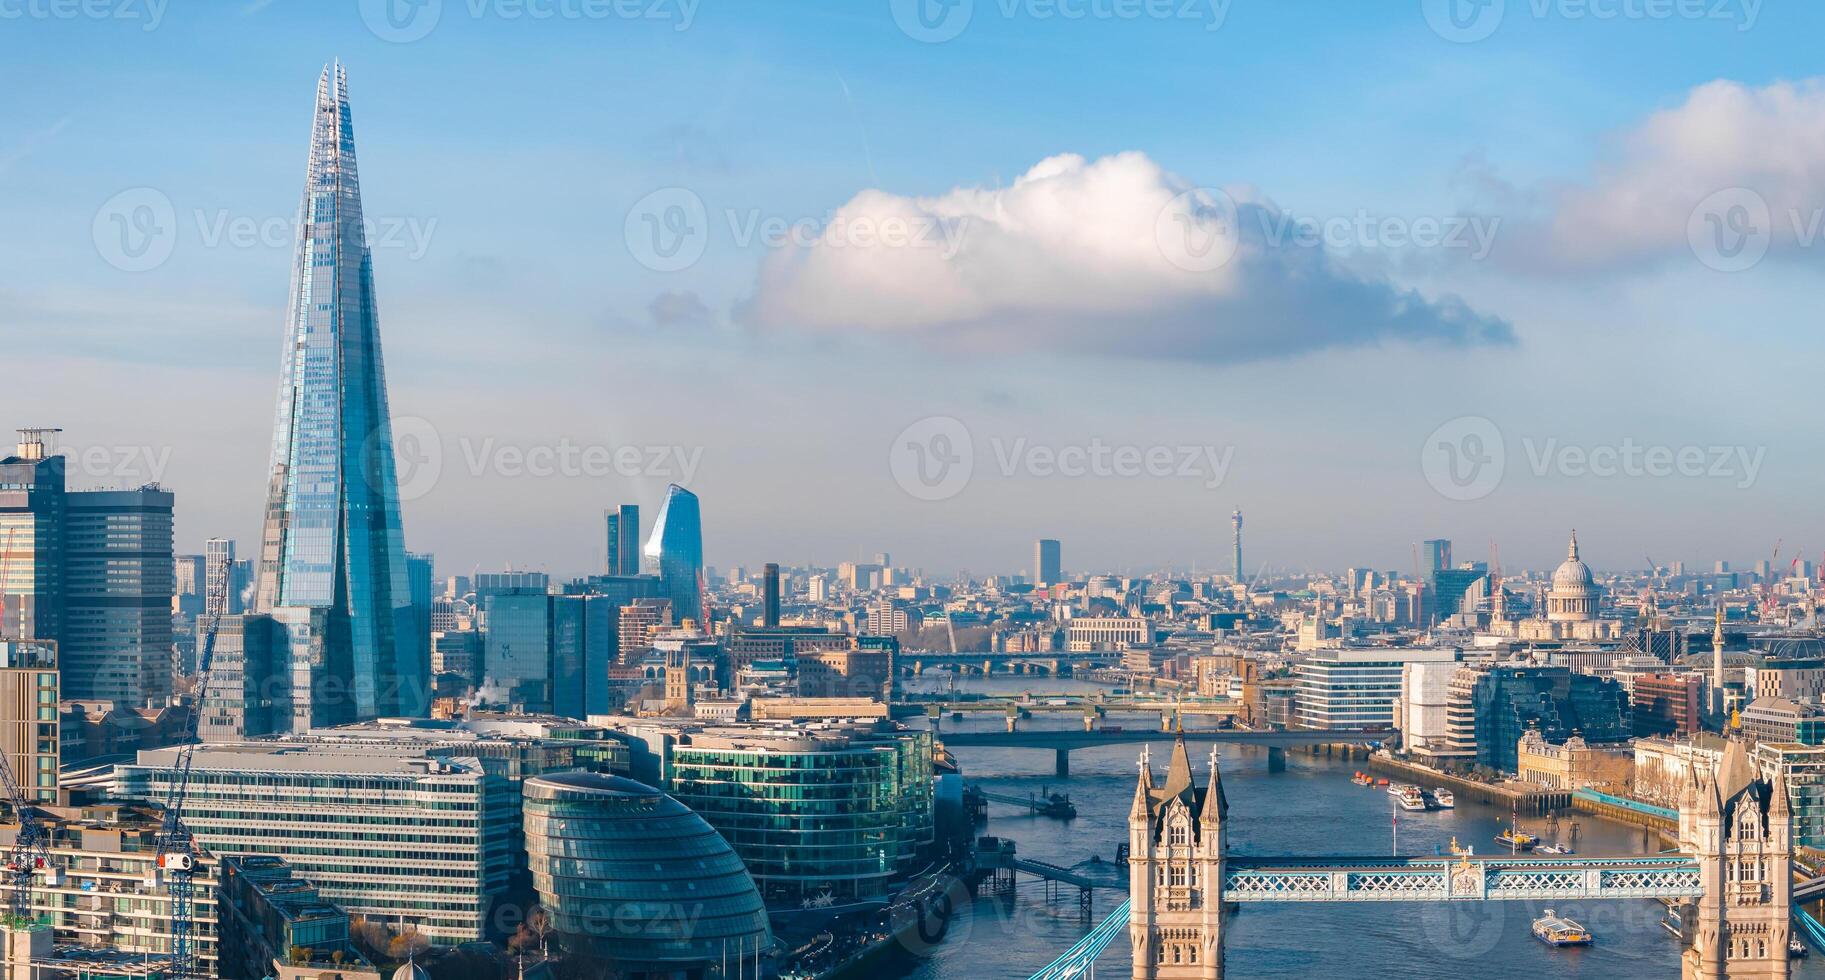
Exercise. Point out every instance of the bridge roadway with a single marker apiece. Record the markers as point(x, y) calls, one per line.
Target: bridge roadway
point(1385, 879)
point(1063, 742)
point(1066, 741)
point(1475, 877)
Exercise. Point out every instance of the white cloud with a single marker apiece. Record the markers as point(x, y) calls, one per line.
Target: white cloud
point(1670, 180)
point(1114, 255)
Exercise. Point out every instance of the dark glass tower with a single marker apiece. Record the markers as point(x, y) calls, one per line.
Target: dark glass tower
point(676, 547)
point(332, 558)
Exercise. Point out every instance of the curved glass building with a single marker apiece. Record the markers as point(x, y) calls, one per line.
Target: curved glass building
point(629, 874)
point(815, 812)
point(676, 547)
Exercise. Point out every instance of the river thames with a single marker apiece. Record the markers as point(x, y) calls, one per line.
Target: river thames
point(1310, 808)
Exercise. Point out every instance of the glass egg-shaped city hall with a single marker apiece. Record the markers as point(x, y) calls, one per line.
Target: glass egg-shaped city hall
point(631, 875)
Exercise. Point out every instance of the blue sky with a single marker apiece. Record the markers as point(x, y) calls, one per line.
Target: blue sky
point(505, 161)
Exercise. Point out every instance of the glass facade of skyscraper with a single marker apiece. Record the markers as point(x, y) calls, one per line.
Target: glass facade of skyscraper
point(813, 811)
point(332, 538)
point(676, 548)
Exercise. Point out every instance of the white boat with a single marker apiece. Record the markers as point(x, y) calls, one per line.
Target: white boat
point(1399, 789)
point(1412, 799)
point(1558, 930)
point(1442, 798)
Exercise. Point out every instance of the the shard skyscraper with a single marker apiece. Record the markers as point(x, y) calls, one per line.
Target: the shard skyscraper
point(332, 557)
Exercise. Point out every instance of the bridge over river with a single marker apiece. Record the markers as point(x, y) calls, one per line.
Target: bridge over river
point(1062, 743)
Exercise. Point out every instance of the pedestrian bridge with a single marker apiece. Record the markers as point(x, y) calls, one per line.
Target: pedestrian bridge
point(1471, 877)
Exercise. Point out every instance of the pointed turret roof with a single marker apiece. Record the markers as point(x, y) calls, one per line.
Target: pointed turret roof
point(1216, 805)
point(1178, 776)
point(1143, 790)
point(1735, 772)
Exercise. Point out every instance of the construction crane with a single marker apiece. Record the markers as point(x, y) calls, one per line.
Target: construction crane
point(1767, 603)
point(175, 865)
point(30, 854)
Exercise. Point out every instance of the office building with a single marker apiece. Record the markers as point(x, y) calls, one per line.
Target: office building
point(459, 653)
point(1794, 678)
point(493, 583)
point(250, 688)
point(30, 732)
point(416, 841)
point(1783, 720)
point(769, 616)
point(1804, 769)
point(639, 622)
point(1667, 704)
point(621, 545)
point(1352, 688)
point(675, 550)
point(1436, 553)
point(1425, 691)
point(546, 652)
point(1451, 585)
point(1046, 562)
point(106, 854)
point(1107, 633)
point(116, 640)
point(599, 846)
point(332, 553)
point(31, 540)
point(273, 924)
point(837, 809)
point(1510, 700)
point(421, 572)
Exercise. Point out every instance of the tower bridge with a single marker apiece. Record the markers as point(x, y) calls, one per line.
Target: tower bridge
point(1732, 875)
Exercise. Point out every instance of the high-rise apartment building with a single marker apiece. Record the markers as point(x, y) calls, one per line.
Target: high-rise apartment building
point(621, 543)
point(189, 584)
point(1046, 561)
point(220, 597)
point(116, 639)
point(29, 733)
point(332, 555)
point(676, 550)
